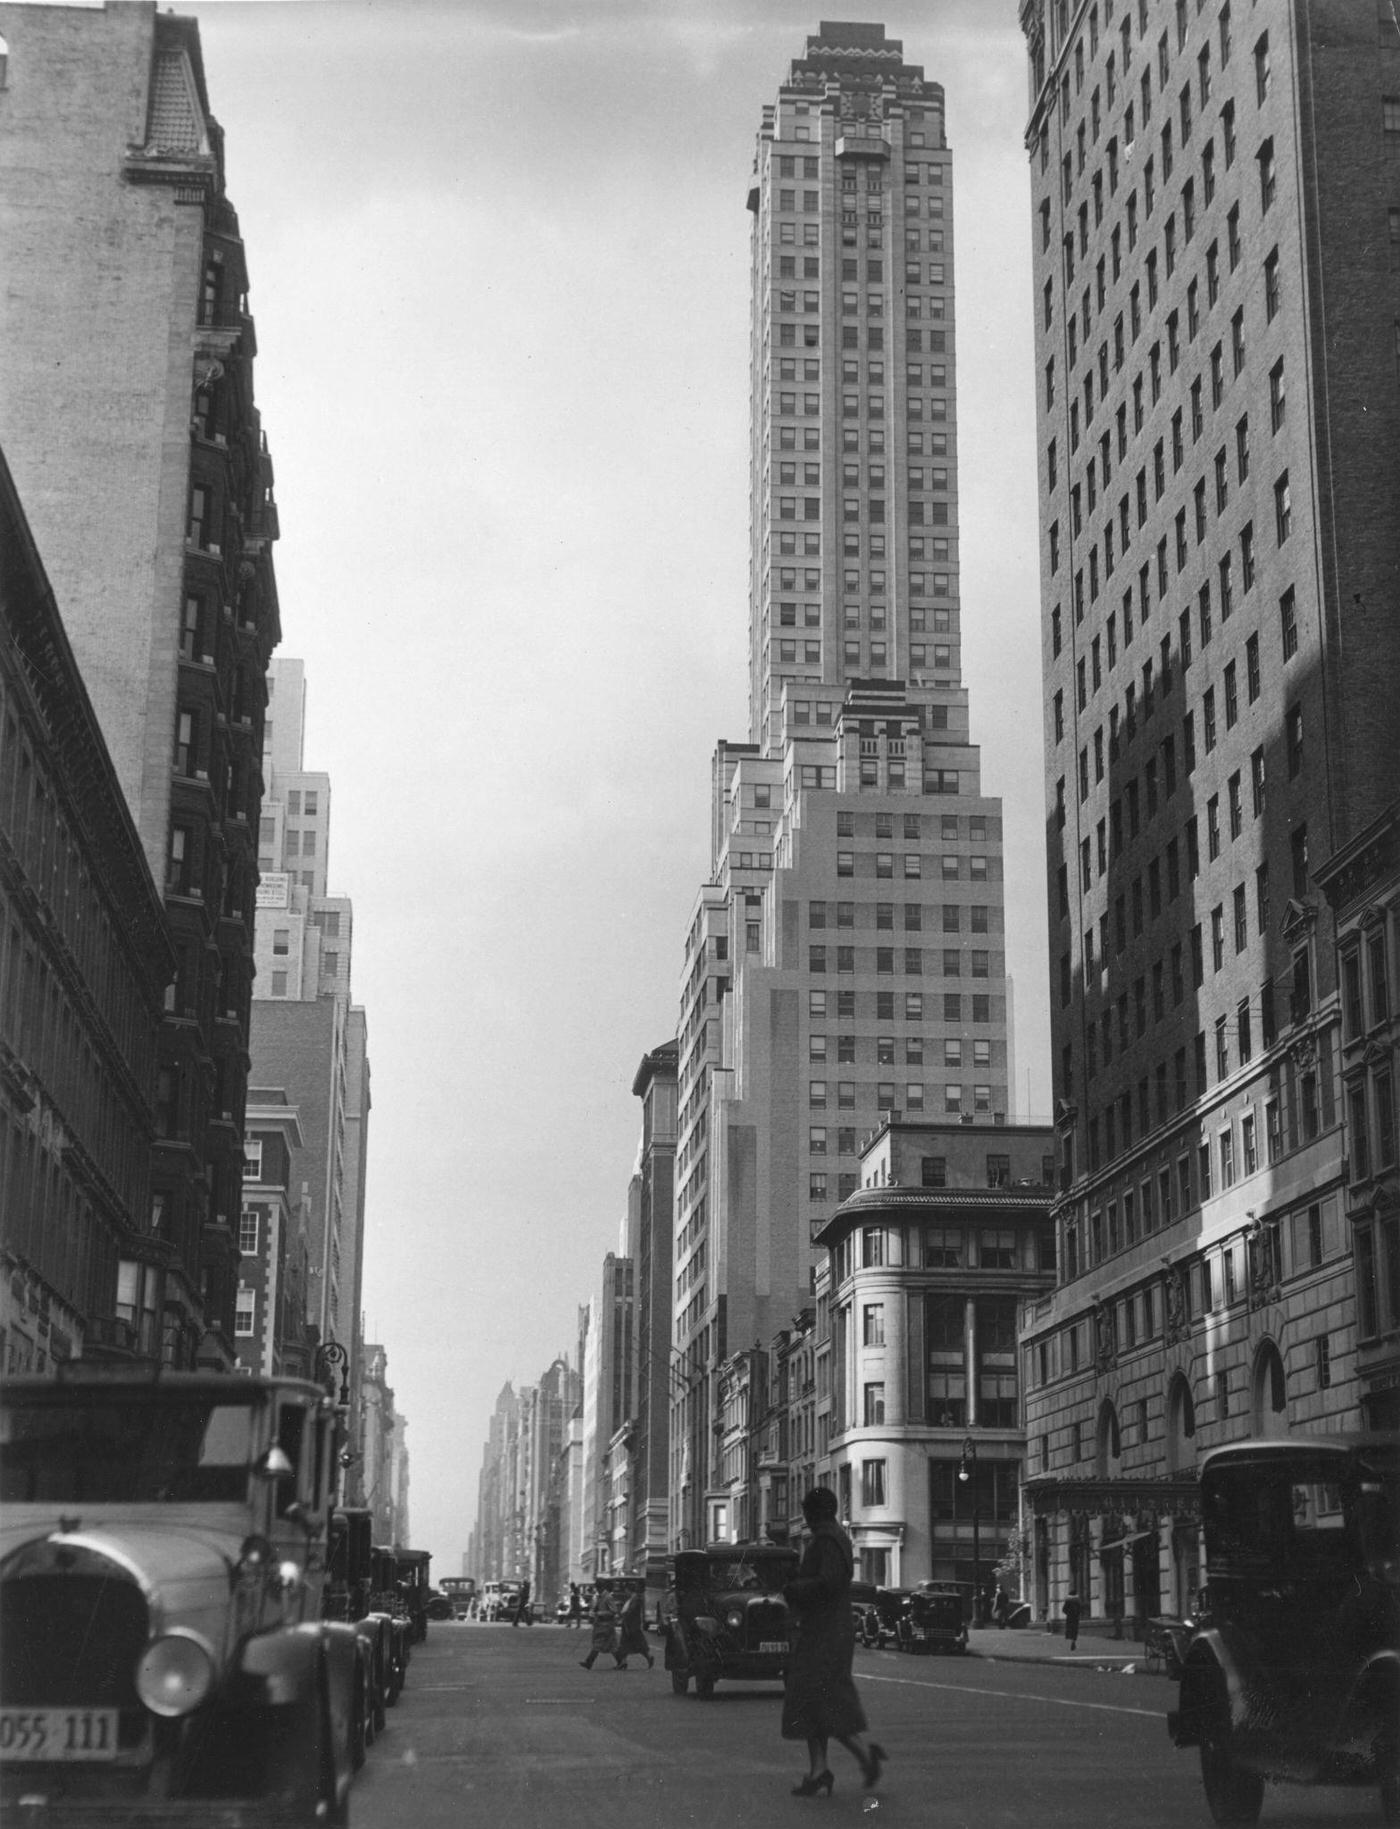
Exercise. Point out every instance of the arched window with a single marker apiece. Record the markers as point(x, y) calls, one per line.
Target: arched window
point(1109, 1446)
point(1269, 1410)
point(1181, 1426)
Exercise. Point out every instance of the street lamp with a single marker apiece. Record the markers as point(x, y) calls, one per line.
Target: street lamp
point(332, 1353)
point(967, 1468)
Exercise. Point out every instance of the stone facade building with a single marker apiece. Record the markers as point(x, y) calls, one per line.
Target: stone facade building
point(85, 958)
point(932, 1265)
point(1215, 231)
point(128, 417)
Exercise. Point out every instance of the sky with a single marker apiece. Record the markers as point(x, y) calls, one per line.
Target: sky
point(499, 261)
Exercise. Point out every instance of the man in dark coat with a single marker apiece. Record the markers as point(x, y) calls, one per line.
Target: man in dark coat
point(1072, 1611)
point(820, 1701)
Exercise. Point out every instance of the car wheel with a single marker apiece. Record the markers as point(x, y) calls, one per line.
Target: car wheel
point(1233, 1794)
point(680, 1682)
point(705, 1688)
point(1388, 1773)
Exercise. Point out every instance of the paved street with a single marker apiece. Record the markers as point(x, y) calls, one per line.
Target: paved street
point(500, 1726)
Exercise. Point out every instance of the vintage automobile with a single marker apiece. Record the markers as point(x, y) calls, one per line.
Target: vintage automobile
point(499, 1599)
point(163, 1654)
point(879, 1624)
point(1292, 1672)
point(726, 1616)
point(932, 1620)
point(352, 1593)
point(413, 1585)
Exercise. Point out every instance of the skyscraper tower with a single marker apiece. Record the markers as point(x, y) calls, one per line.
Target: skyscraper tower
point(846, 956)
point(1216, 246)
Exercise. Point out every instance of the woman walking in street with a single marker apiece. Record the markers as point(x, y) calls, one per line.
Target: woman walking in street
point(820, 1701)
point(604, 1628)
point(631, 1637)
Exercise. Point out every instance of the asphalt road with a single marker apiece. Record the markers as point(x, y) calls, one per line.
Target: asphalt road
point(500, 1726)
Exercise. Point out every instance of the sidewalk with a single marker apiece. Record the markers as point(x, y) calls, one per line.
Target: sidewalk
point(1034, 1645)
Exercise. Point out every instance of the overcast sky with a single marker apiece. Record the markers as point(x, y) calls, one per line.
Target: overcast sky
point(499, 259)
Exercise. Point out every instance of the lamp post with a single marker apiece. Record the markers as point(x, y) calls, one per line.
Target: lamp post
point(329, 1355)
point(967, 1468)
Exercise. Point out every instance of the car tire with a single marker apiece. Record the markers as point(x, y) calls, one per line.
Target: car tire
point(680, 1682)
point(1233, 1795)
point(705, 1689)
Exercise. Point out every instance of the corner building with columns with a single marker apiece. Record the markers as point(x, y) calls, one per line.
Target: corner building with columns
point(846, 955)
point(1216, 235)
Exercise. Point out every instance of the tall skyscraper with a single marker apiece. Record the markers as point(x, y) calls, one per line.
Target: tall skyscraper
point(128, 418)
point(1217, 240)
point(846, 956)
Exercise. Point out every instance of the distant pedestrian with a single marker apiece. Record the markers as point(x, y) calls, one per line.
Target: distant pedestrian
point(1072, 1609)
point(1001, 1608)
point(820, 1702)
point(631, 1635)
point(522, 1606)
point(604, 1628)
point(575, 1605)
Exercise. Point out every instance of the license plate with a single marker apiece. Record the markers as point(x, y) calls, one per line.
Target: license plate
point(773, 1644)
point(58, 1733)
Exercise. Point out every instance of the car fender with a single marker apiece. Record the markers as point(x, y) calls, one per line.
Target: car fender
point(1218, 1656)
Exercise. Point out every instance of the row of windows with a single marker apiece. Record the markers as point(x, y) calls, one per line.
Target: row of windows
point(955, 1007)
point(884, 1050)
point(850, 1094)
point(948, 963)
point(1299, 1107)
point(984, 919)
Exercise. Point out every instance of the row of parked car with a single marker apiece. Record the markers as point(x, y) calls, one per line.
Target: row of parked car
point(929, 1618)
point(189, 1628)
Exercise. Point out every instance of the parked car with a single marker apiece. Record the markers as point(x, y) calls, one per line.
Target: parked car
point(1292, 1672)
point(726, 1616)
point(350, 1594)
point(163, 1547)
point(412, 1584)
point(932, 1620)
point(880, 1624)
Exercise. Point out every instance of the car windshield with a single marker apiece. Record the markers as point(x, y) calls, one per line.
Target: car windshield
point(120, 1449)
point(763, 1574)
point(1289, 1514)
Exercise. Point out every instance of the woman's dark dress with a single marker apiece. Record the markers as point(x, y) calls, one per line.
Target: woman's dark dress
point(820, 1699)
point(631, 1637)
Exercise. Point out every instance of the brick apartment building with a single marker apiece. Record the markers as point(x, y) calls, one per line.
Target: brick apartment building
point(128, 417)
point(1216, 223)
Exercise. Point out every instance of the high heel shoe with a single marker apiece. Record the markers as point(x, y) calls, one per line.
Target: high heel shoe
point(811, 1785)
point(872, 1765)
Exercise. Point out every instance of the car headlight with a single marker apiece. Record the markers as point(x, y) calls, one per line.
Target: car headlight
point(734, 1620)
point(175, 1675)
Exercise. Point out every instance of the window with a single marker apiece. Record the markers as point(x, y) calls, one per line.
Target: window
point(873, 1324)
point(872, 1482)
point(245, 1305)
point(1262, 70)
point(1268, 175)
point(1288, 621)
point(874, 1413)
point(1283, 508)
